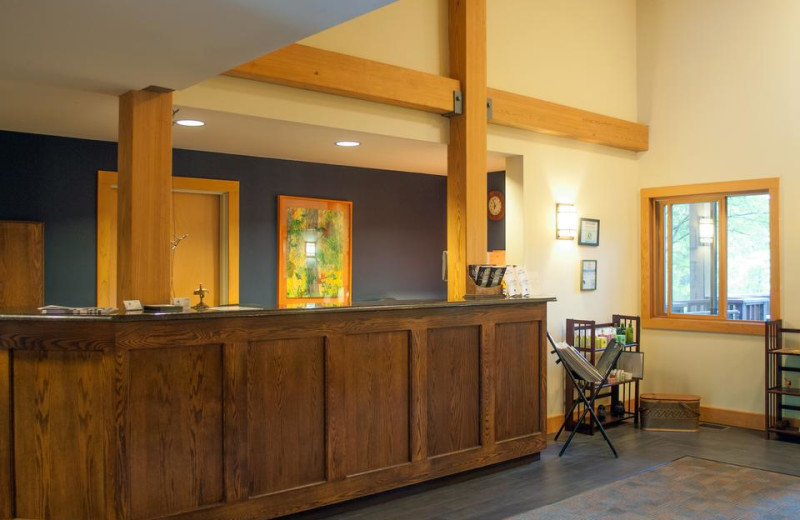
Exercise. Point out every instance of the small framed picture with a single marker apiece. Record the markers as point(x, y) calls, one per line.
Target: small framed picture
point(588, 275)
point(589, 232)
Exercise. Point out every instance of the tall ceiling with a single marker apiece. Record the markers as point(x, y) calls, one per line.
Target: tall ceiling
point(64, 64)
point(113, 46)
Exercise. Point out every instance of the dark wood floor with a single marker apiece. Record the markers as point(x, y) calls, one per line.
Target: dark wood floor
point(588, 463)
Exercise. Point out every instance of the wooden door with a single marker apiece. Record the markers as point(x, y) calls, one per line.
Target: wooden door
point(21, 264)
point(202, 210)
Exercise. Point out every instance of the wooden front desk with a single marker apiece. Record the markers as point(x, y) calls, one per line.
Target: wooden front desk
point(259, 414)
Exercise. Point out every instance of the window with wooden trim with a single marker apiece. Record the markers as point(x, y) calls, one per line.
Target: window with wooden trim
point(710, 256)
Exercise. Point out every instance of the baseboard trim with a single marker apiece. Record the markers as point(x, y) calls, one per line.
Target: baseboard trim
point(554, 423)
point(738, 418)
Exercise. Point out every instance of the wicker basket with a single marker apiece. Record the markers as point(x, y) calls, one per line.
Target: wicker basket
point(670, 412)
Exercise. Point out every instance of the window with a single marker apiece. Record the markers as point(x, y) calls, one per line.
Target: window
point(710, 256)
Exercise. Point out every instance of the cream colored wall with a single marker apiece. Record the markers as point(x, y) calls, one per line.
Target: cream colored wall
point(571, 52)
point(718, 87)
point(580, 54)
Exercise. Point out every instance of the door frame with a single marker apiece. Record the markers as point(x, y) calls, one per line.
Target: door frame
point(228, 192)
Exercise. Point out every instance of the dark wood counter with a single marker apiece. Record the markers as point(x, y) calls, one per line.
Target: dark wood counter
point(257, 414)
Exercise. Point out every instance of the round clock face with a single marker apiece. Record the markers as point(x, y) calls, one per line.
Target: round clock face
point(496, 205)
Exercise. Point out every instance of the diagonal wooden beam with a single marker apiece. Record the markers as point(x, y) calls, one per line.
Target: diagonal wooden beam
point(334, 73)
point(527, 113)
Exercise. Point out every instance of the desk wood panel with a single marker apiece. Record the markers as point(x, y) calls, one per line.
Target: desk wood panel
point(175, 430)
point(453, 389)
point(58, 435)
point(375, 374)
point(286, 385)
point(21, 264)
point(517, 366)
point(6, 439)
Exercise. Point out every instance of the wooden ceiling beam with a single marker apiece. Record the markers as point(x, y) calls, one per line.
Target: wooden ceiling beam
point(308, 68)
point(527, 113)
point(335, 73)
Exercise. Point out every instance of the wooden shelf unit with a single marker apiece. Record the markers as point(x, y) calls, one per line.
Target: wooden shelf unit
point(581, 334)
point(775, 393)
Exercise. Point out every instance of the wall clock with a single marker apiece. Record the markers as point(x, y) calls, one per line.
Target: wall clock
point(496, 204)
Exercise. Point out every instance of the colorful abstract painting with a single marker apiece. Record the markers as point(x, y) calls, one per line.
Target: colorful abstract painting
point(314, 251)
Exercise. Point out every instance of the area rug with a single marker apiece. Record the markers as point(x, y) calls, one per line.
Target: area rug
point(688, 488)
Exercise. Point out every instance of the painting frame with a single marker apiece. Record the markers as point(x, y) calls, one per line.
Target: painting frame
point(589, 232)
point(326, 221)
point(588, 275)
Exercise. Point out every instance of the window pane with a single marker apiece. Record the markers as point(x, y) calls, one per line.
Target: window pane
point(694, 267)
point(748, 257)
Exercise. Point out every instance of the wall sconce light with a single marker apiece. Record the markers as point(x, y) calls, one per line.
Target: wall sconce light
point(566, 221)
point(705, 230)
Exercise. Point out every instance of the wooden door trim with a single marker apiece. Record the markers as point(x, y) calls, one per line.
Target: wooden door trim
point(229, 192)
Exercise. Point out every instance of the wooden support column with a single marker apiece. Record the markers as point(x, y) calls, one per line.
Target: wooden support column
point(145, 196)
point(466, 153)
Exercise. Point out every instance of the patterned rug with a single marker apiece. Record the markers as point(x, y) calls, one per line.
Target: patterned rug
point(688, 488)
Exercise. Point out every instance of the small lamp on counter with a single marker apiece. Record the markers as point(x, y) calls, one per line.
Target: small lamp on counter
point(201, 292)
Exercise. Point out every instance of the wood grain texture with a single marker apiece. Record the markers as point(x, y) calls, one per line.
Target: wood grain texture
point(466, 151)
point(489, 384)
point(145, 197)
point(235, 407)
point(286, 390)
point(6, 439)
point(56, 335)
point(517, 366)
point(21, 264)
point(527, 113)
point(176, 441)
point(254, 417)
point(334, 73)
point(116, 374)
point(419, 395)
point(374, 379)
point(369, 483)
point(59, 435)
point(453, 383)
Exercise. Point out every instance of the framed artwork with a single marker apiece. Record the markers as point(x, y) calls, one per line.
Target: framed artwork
point(589, 232)
point(314, 251)
point(588, 275)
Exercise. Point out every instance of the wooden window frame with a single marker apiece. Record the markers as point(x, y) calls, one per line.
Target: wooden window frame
point(653, 268)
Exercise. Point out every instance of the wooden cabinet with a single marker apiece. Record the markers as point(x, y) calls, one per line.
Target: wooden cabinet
point(21, 264)
point(583, 335)
point(261, 414)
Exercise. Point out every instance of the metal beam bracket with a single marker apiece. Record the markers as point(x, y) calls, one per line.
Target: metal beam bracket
point(458, 104)
point(488, 109)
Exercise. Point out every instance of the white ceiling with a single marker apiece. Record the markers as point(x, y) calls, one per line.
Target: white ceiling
point(113, 46)
point(64, 64)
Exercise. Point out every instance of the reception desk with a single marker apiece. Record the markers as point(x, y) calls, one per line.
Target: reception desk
point(257, 414)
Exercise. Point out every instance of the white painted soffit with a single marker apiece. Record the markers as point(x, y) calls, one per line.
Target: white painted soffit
point(112, 46)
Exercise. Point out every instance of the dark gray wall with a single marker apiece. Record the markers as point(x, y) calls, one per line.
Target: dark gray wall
point(398, 218)
point(496, 228)
point(399, 228)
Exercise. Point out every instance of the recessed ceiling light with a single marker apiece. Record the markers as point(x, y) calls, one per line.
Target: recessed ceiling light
point(348, 144)
point(189, 122)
